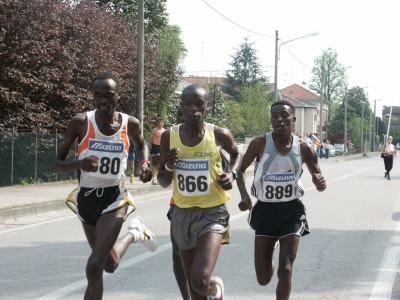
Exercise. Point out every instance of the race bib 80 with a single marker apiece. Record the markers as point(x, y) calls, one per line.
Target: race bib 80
point(110, 157)
point(193, 177)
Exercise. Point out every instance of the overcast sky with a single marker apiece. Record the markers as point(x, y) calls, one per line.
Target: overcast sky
point(364, 33)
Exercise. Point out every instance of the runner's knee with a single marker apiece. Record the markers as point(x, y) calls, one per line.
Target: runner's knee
point(94, 267)
point(200, 284)
point(110, 267)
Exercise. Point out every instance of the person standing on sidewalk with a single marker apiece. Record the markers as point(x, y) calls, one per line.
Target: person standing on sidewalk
point(101, 202)
point(388, 151)
point(131, 160)
point(191, 158)
point(278, 215)
point(318, 145)
point(155, 138)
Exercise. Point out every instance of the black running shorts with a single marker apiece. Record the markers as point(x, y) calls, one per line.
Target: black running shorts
point(155, 149)
point(277, 220)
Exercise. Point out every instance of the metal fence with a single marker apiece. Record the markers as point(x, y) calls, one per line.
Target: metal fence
point(28, 157)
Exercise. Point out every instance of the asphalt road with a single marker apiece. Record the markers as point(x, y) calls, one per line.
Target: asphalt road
point(351, 253)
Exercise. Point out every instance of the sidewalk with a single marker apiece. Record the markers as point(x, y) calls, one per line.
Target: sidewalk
point(23, 201)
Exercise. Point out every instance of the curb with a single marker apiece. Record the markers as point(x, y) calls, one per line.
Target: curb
point(57, 205)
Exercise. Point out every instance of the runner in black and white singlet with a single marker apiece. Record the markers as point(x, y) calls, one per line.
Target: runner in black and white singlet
point(279, 214)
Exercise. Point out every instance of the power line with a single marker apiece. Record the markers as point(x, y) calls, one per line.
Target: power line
point(296, 57)
point(236, 23)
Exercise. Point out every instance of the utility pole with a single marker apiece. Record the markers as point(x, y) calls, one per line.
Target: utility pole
point(370, 126)
point(373, 147)
point(362, 129)
point(322, 103)
point(140, 72)
point(276, 68)
point(345, 124)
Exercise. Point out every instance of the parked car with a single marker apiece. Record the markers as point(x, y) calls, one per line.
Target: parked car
point(397, 146)
point(332, 151)
point(339, 148)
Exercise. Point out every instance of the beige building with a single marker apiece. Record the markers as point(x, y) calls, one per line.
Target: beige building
point(308, 114)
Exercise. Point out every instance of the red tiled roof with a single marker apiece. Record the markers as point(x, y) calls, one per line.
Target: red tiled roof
point(298, 92)
point(203, 81)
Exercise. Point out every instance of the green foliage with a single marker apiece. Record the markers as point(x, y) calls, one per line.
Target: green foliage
point(396, 133)
point(168, 66)
point(246, 70)
point(335, 78)
point(216, 100)
point(234, 118)
point(50, 50)
point(256, 109)
point(354, 130)
point(155, 15)
point(356, 99)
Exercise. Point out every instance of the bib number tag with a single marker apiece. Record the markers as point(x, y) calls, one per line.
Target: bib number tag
point(193, 177)
point(110, 155)
point(279, 186)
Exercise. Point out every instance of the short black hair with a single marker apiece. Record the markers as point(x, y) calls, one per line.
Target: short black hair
point(284, 102)
point(105, 76)
point(192, 88)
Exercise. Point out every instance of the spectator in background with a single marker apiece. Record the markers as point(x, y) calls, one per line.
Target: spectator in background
point(307, 138)
point(318, 145)
point(131, 160)
point(327, 145)
point(388, 151)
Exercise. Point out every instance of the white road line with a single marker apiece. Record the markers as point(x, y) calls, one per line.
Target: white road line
point(388, 270)
point(83, 282)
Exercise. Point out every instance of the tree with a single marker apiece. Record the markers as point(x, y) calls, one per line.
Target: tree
point(216, 113)
point(356, 98)
point(50, 50)
point(246, 70)
point(256, 109)
point(335, 77)
point(155, 15)
point(168, 68)
point(234, 118)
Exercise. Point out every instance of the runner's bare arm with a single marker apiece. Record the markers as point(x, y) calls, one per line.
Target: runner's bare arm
point(251, 153)
point(169, 157)
point(76, 129)
point(311, 159)
point(142, 152)
point(224, 139)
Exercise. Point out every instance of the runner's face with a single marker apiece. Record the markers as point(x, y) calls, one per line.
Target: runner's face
point(105, 95)
point(179, 116)
point(282, 119)
point(194, 106)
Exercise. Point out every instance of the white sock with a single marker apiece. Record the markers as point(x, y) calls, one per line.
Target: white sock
point(218, 294)
point(136, 235)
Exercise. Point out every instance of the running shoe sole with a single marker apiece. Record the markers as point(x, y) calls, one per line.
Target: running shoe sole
point(218, 280)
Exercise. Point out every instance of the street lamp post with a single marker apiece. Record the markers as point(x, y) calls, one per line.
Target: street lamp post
point(345, 119)
point(345, 123)
point(321, 103)
point(277, 49)
point(362, 125)
point(373, 145)
point(362, 128)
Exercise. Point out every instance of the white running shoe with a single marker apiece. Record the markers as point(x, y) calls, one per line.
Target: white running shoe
point(221, 285)
point(147, 238)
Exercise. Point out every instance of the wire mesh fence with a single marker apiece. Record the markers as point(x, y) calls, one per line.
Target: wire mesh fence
point(28, 157)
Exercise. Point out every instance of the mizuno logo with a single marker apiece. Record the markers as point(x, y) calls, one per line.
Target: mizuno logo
point(106, 146)
point(195, 165)
point(280, 177)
